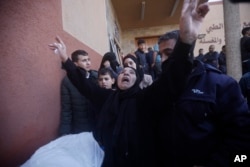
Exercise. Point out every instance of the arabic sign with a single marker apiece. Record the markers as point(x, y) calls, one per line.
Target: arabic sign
point(215, 27)
point(211, 40)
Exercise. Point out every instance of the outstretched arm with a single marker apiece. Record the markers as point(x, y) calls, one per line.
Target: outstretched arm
point(78, 76)
point(177, 68)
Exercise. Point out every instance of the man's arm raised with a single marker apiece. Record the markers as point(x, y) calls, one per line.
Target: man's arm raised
point(192, 16)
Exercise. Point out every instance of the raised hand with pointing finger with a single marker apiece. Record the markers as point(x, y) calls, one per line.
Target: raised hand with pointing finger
point(59, 48)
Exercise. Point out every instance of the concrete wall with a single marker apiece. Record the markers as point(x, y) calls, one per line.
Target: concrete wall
point(86, 21)
point(30, 75)
point(245, 14)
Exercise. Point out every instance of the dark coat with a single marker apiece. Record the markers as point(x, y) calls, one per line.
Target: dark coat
point(211, 58)
point(76, 114)
point(222, 59)
point(245, 48)
point(119, 113)
point(245, 87)
point(206, 126)
point(141, 56)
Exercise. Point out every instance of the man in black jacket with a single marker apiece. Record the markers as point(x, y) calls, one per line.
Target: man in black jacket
point(76, 115)
point(141, 55)
point(244, 48)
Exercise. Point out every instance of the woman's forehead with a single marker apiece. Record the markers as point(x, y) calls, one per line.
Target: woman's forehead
point(128, 69)
point(128, 60)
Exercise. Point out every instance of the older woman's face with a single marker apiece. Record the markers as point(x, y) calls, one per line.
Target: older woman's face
point(129, 62)
point(126, 79)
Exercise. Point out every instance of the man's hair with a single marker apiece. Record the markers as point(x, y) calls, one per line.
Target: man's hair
point(169, 35)
point(140, 41)
point(244, 30)
point(75, 54)
point(106, 71)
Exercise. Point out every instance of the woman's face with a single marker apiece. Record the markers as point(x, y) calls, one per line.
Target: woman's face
point(126, 79)
point(129, 62)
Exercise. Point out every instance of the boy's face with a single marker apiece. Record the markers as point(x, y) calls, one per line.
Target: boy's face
point(106, 81)
point(142, 46)
point(84, 62)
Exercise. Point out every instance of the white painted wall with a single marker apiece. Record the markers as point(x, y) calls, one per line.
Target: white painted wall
point(86, 21)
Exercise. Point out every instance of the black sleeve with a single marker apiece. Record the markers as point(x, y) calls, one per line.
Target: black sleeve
point(176, 69)
point(91, 91)
point(157, 98)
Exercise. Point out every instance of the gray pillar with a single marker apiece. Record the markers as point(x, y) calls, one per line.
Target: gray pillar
point(232, 37)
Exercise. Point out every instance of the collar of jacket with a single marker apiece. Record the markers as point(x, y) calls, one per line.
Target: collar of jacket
point(200, 68)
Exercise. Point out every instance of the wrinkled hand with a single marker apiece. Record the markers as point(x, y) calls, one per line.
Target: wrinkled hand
point(59, 48)
point(191, 18)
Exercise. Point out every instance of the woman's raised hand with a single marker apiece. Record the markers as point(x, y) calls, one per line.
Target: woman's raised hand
point(59, 48)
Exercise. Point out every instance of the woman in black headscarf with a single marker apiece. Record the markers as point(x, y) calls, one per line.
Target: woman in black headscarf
point(121, 113)
point(109, 61)
point(116, 114)
point(131, 61)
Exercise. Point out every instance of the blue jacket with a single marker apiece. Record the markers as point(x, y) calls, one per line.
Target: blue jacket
point(208, 125)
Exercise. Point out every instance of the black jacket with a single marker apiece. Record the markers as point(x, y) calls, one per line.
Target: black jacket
point(76, 114)
point(208, 125)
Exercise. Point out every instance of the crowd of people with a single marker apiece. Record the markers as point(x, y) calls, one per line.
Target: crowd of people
point(214, 58)
point(185, 113)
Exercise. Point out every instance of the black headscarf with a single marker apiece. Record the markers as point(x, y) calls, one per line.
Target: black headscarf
point(138, 68)
point(110, 56)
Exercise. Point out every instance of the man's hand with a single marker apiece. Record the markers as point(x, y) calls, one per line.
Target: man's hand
point(191, 18)
point(59, 48)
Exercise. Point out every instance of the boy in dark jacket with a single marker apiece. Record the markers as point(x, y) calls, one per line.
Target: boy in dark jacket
point(76, 116)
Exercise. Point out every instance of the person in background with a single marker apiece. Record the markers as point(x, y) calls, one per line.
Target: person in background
point(157, 59)
point(211, 57)
point(244, 48)
point(150, 61)
point(106, 78)
point(109, 61)
point(141, 55)
point(200, 55)
point(244, 83)
point(131, 61)
point(222, 60)
point(76, 116)
point(245, 79)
